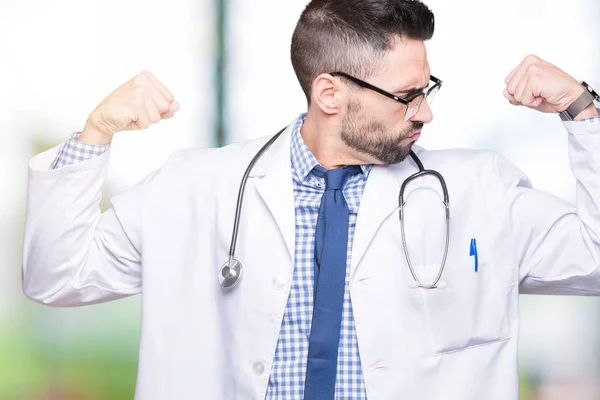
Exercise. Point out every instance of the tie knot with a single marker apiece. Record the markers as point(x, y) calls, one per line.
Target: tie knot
point(336, 178)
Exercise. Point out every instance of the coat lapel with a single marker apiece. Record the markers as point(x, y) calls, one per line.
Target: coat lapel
point(379, 201)
point(275, 187)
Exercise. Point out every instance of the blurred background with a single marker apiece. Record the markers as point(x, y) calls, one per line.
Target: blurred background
point(228, 64)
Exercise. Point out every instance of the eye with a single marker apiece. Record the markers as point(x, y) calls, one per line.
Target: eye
point(413, 96)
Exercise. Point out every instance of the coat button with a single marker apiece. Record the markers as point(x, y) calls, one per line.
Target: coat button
point(279, 283)
point(258, 368)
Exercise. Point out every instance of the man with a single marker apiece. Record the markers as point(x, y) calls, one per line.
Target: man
point(336, 297)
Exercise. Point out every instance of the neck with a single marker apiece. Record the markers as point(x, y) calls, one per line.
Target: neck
point(322, 135)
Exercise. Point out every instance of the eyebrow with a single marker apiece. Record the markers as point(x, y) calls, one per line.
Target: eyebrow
point(411, 90)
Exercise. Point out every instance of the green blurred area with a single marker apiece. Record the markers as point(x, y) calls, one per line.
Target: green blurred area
point(53, 362)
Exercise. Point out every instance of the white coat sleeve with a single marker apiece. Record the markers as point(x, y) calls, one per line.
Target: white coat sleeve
point(555, 244)
point(73, 254)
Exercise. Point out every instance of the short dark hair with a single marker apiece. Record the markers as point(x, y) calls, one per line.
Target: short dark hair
point(353, 36)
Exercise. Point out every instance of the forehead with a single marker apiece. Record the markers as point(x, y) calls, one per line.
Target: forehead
point(405, 65)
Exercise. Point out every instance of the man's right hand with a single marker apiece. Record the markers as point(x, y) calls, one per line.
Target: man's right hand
point(135, 105)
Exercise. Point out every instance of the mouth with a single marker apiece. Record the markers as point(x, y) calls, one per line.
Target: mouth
point(415, 135)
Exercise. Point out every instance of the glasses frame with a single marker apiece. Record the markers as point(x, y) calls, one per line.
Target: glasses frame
point(437, 84)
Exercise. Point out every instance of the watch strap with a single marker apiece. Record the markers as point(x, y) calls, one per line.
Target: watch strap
point(583, 101)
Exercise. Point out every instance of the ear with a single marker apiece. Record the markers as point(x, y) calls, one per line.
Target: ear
point(328, 94)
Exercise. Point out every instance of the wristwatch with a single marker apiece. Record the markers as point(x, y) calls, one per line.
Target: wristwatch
point(587, 97)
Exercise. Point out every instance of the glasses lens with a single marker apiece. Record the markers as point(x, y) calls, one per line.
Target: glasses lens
point(413, 107)
point(432, 94)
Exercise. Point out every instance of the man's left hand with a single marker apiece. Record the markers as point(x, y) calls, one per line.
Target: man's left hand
point(537, 84)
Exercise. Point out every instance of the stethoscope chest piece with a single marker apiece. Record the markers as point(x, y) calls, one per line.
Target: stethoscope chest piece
point(230, 274)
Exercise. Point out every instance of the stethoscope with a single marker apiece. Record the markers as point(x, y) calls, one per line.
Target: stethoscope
point(423, 172)
point(230, 273)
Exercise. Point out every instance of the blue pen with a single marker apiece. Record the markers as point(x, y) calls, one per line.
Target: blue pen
point(473, 252)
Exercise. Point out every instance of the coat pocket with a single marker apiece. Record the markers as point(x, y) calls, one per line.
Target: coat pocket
point(471, 310)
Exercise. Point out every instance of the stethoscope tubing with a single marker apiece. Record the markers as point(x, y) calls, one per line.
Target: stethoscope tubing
point(423, 172)
point(240, 199)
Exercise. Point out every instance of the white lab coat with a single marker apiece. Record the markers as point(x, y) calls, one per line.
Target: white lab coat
point(168, 236)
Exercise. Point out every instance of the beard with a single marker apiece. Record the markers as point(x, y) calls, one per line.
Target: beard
point(371, 137)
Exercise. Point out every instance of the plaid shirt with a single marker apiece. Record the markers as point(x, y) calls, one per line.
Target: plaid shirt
point(74, 151)
point(289, 365)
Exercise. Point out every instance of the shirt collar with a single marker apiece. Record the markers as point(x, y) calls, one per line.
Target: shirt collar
point(303, 160)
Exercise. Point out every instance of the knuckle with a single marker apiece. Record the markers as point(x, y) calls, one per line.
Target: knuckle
point(169, 95)
point(153, 114)
point(137, 84)
point(162, 106)
point(532, 69)
point(532, 58)
point(142, 78)
point(138, 80)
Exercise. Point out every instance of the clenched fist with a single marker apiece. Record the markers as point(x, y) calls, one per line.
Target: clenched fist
point(135, 105)
point(539, 85)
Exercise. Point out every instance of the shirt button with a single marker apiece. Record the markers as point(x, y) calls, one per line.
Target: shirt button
point(258, 368)
point(278, 283)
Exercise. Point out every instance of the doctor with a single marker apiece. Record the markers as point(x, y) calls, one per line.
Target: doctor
point(336, 297)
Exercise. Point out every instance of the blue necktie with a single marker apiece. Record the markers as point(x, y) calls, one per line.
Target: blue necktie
point(331, 245)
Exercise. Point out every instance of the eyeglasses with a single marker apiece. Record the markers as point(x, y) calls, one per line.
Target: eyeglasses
point(412, 105)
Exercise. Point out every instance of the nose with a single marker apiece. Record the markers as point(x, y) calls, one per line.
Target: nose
point(424, 114)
